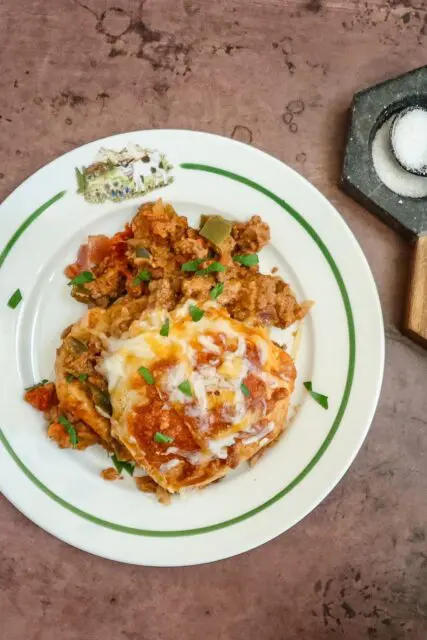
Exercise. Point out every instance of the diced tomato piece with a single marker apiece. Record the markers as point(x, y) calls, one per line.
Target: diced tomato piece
point(97, 248)
point(59, 433)
point(82, 261)
point(42, 397)
point(122, 236)
point(72, 270)
point(255, 385)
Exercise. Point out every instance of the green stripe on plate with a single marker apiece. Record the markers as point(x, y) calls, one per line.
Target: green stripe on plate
point(18, 233)
point(325, 444)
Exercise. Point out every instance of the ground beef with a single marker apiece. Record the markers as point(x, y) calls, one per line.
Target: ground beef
point(156, 223)
point(232, 288)
point(263, 299)
point(147, 485)
point(106, 288)
point(81, 354)
point(287, 308)
point(192, 247)
point(226, 250)
point(110, 474)
point(123, 312)
point(197, 287)
point(170, 242)
point(251, 236)
point(161, 295)
point(85, 435)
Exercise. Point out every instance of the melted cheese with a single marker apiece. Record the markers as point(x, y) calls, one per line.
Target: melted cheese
point(263, 350)
point(208, 344)
point(218, 448)
point(169, 465)
point(261, 435)
point(217, 385)
point(194, 457)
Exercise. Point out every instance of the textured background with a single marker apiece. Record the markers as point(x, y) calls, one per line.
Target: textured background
point(279, 75)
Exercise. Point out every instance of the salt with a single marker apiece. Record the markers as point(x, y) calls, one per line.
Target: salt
point(409, 140)
point(389, 170)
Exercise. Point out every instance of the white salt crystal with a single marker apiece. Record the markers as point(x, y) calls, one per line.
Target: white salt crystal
point(389, 170)
point(409, 140)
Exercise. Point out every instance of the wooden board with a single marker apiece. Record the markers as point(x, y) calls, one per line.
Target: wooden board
point(416, 316)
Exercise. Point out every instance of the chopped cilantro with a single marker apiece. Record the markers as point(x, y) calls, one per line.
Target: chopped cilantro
point(318, 397)
point(143, 276)
point(82, 278)
point(185, 387)
point(247, 260)
point(214, 267)
point(193, 265)
point(72, 433)
point(162, 438)
point(245, 390)
point(15, 299)
point(196, 313)
point(164, 331)
point(129, 467)
point(216, 291)
point(146, 374)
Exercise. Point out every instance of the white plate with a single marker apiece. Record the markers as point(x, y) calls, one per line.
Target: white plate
point(341, 348)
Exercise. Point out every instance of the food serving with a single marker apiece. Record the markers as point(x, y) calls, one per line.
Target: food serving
point(172, 369)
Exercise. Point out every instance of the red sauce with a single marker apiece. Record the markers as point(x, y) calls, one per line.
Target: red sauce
point(256, 386)
point(161, 366)
point(252, 354)
point(204, 357)
point(221, 419)
point(257, 390)
point(146, 421)
point(278, 394)
point(118, 243)
point(72, 270)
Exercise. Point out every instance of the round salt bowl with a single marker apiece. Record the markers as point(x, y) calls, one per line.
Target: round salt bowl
point(408, 138)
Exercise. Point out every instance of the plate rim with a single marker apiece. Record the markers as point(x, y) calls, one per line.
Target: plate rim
point(309, 466)
point(172, 533)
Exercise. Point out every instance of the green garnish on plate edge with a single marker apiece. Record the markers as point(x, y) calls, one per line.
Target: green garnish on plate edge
point(15, 299)
point(318, 397)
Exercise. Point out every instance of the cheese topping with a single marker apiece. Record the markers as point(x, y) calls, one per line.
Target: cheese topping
point(259, 436)
point(219, 397)
point(169, 465)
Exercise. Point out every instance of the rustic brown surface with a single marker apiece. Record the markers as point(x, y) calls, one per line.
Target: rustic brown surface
point(75, 71)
